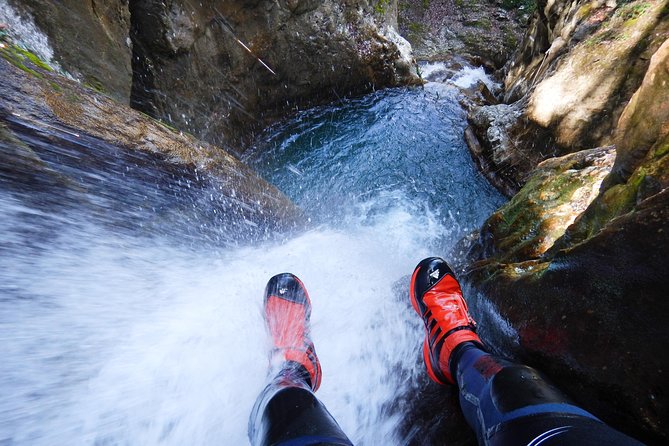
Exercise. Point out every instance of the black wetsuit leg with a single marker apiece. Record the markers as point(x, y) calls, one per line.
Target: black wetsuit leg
point(512, 404)
point(287, 413)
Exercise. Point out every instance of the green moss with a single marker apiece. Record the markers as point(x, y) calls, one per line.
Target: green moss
point(23, 59)
point(57, 88)
point(381, 6)
point(584, 11)
point(73, 98)
point(617, 27)
point(416, 28)
point(95, 84)
point(662, 150)
point(485, 23)
point(11, 58)
point(471, 39)
point(510, 41)
point(607, 35)
point(616, 201)
point(36, 60)
point(482, 23)
point(632, 11)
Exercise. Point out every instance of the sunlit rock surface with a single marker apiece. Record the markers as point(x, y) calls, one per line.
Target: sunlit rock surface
point(576, 69)
point(645, 121)
point(35, 99)
point(559, 191)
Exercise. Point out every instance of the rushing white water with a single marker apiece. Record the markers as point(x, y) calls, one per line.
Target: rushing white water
point(470, 76)
point(137, 343)
point(115, 334)
point(464, 77)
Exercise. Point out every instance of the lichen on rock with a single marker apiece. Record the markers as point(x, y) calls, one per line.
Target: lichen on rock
point(559, 191)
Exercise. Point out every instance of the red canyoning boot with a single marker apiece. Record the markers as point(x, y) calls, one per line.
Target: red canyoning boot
point(437, 298)
point(287, 313)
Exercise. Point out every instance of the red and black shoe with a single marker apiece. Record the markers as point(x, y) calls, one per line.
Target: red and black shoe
point(437, 298)
point(287, 313)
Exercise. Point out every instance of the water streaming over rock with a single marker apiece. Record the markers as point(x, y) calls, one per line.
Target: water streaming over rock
point(129, 316)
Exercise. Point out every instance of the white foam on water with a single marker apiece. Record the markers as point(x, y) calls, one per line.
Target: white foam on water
point(430, 71)
point(122, 341)
point(469, 76)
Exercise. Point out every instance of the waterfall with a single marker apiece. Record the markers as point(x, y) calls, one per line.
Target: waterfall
point(129, 316)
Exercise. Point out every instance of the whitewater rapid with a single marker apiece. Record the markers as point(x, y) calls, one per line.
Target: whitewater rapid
point(117, 341)
point(125, 323)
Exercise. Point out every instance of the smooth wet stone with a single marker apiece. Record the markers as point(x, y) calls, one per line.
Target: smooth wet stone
point(32, 97)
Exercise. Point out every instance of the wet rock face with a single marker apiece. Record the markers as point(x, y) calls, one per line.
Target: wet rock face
point(501, 147)
point(218, 69)
point(34, 99)
point(90, 40)
point(593, 317)
point(221, 69)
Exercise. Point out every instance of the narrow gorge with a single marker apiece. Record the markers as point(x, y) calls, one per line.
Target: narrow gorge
point(161, 160)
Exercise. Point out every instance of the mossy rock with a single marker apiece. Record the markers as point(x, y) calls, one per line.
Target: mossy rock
point(560, 190)
point(23, 59)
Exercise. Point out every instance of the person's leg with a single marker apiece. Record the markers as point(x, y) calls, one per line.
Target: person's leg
point(509, 403)
point(505, 403)
point(287, 413)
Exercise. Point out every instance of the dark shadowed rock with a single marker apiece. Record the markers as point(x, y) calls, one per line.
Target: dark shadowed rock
point(219, 69)
point(594, 317)
point(222, 69)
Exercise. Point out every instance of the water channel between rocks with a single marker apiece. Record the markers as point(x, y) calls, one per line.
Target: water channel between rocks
point(112, 335)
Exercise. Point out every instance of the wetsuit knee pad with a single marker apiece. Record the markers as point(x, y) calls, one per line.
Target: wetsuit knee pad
point(517, 386)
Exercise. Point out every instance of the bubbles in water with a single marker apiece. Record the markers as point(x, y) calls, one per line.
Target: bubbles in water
point(461, 76)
